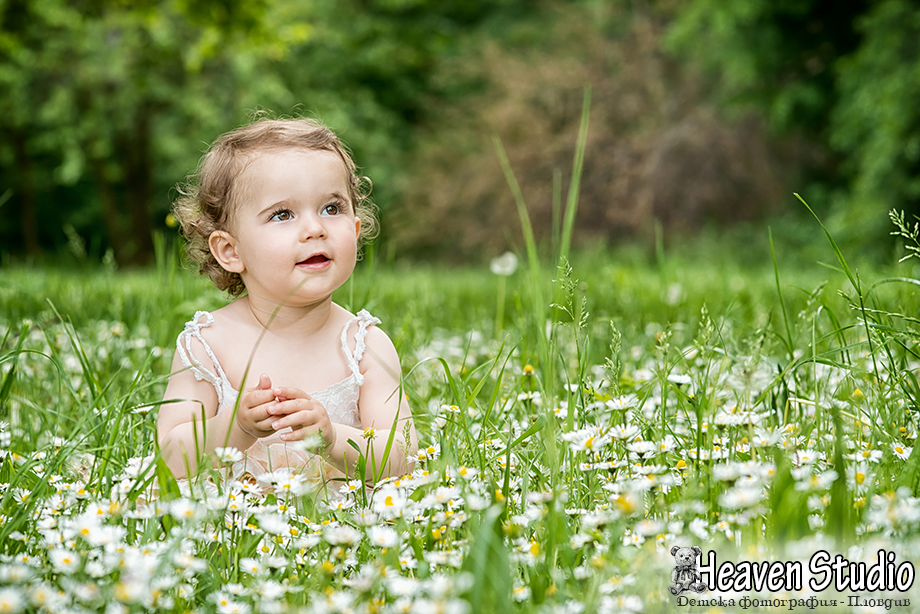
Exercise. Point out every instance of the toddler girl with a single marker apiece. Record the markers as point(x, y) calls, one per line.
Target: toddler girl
point(275, 217)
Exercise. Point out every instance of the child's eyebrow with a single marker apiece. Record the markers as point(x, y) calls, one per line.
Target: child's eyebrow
point(343, 197)
point(272, 207)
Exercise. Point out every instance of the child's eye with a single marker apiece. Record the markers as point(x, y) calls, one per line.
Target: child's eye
point(281, 216)
point(332, 209)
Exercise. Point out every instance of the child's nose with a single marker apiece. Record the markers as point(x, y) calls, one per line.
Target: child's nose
point(313, 228)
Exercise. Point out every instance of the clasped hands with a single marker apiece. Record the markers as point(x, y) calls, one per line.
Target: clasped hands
point(265, 410)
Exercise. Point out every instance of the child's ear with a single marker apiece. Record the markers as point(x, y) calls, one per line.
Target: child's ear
point(223, 248)
point(357, 227)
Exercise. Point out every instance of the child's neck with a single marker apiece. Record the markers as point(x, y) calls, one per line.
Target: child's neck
point(282, 320)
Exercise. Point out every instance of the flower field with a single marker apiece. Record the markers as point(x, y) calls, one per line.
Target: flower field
point(616, 409)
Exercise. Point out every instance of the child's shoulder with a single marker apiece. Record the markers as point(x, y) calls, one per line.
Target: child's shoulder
point(379, 344)
point(226, 318)
point(206, 346)
point(362, 325)
point(217, 328)
point(373, 341)
point(362, 318)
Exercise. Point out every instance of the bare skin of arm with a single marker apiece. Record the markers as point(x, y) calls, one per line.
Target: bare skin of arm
point(193, 416)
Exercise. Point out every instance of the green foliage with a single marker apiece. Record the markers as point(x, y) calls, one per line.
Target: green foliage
point(105, 107)
point(778, 56)
point(108, 104)
point(655, 149)
point(840, 75)
point(876, 123)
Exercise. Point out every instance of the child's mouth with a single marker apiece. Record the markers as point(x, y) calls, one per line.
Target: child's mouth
point(314, 260)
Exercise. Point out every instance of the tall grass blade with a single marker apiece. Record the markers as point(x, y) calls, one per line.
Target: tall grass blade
point(782, 302)
point(571, 203)
point(538, 308)
point(557, 213)
point(489, 564)
point(837, 252)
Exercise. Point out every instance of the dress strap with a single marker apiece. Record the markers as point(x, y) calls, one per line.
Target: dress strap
point(184, 346)
point(364, 320)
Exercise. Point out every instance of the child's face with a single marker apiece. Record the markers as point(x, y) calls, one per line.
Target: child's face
point(294, 227)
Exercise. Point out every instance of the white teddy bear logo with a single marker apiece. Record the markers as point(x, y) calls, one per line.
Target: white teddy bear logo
point(685, 576)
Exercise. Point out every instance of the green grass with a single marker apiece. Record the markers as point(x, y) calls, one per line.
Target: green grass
point(691, 394)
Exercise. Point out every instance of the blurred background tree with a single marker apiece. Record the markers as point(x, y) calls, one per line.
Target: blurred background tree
point(841, 77)
point(704, 113)
point(107, 104)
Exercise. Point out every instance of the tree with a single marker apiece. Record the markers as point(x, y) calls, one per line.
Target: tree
point(776, 55)
point(875, 124)
point(845, 74)
point(105, 92)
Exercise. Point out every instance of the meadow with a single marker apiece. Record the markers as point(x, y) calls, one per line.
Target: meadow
point(579, 418)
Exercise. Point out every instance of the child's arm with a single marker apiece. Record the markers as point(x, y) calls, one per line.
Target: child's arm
point(180, 424)
point(379, 404)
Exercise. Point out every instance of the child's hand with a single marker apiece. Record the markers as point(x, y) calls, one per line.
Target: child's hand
point(253, 416)
point(304, 414)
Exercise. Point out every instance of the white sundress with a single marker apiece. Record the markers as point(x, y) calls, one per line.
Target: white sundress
point(271, 453)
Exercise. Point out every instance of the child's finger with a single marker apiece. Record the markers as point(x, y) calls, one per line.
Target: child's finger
point(295, 435)
point(293, 405)
point(290, 393)
point(258, 396)
point(298, 420)
point(264, 383)
point(299, 432)
point(265, 424)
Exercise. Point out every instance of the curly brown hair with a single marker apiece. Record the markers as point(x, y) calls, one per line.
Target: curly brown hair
point(208, 198)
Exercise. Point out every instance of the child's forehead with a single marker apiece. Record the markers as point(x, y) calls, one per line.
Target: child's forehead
point(264, 168)
point(263, 165)
point(294, 155)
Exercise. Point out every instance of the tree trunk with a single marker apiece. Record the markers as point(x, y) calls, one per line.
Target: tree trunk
point(112, 216)
point(110, 213)
point(138, 169)
point(27, 217)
